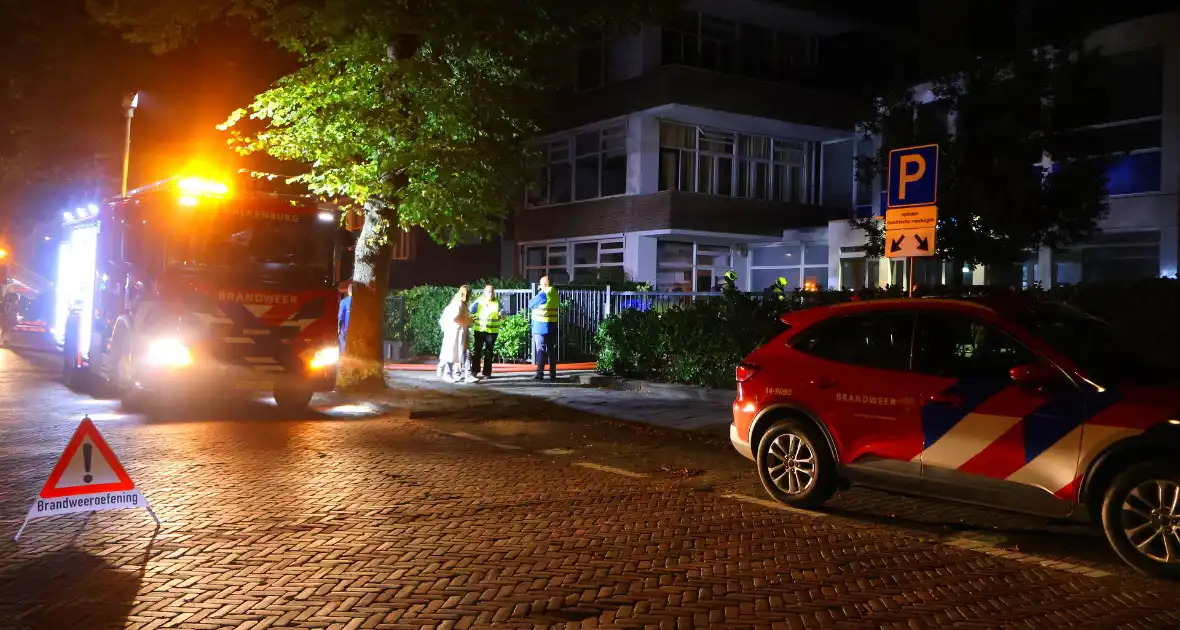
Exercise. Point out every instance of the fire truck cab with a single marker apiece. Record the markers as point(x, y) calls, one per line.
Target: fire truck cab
point(188, 286)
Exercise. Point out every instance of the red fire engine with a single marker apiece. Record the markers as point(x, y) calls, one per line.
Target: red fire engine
point(191, 286)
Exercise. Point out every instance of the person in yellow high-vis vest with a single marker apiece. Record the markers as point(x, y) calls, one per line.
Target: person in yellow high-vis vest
point(486, 313)
point(544, 308)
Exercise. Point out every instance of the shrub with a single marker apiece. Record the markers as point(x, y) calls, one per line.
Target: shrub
point(629, 344)
point(423, 307)
point(512, 344)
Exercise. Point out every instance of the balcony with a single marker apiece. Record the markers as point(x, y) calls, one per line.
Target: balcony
point(669, 210)
point(710, 90)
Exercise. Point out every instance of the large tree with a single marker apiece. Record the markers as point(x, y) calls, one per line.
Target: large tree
point(1016, 173)
point(415, 112)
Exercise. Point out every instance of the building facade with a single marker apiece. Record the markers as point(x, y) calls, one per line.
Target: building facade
point(693, 148)
point(1138, 238)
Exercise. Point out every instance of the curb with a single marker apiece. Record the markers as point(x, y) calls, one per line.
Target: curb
point(665, 390)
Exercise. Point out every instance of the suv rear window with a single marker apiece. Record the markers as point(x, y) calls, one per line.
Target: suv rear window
point(879, 340)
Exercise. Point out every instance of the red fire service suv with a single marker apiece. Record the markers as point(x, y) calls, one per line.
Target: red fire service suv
point(188, 286)
point(1028, 406)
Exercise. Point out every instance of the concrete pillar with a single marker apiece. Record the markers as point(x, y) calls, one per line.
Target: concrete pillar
point(643, 155)
point(740, 263)
point(1169, 240)
point(639, 258)
point(1045, 274)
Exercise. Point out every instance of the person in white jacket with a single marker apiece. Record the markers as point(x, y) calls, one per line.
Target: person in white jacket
point(456, 328)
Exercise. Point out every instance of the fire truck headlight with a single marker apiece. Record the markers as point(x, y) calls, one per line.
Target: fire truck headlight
point(168, 353)
point(325, 357)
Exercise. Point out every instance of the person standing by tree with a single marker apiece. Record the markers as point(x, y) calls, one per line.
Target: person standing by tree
point(456, 324)
point(486, 311)
point(342, 317)
point(545, 308)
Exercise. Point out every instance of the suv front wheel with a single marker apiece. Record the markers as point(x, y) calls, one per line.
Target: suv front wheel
point(795, 464)
point(1141, 518)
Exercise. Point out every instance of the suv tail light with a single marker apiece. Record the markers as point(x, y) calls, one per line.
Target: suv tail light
point(745, 372)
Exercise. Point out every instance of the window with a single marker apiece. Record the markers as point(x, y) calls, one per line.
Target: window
point(546, 260)
point(873, 340)
point(401, 243)
point(1136, 173)
point(1111, 257)
point(598, 261)
point(574, 261)
point(803, 265)
point(717, 162)
point(598, 167)
point(718, 44)
point(704, 41)
point(1130, 87)
point(551, 174)
point(686, 266)
point(957, 346)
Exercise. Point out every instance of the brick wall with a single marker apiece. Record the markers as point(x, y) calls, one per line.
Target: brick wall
point(668, 210)
point(431, 263)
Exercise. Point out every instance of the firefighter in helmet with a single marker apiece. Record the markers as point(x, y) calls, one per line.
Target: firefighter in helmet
point(729, 284)
point(777, 292)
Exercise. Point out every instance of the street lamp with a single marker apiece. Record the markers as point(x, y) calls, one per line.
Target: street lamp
point(129, 105)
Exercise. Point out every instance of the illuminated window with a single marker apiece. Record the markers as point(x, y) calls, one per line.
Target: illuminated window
point(803, 265)
point(717, 162)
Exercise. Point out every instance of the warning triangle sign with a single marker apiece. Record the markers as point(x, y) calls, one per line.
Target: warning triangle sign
point(87, 478)
point(87, 466)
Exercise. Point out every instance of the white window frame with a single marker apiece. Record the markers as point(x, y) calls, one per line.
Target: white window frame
point(790, 155)
point(801, 267)
point(612, 142)
point(614, 245)
point(695, 267)
point(780, 42)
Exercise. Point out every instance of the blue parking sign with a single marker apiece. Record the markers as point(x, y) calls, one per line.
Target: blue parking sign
point(913, 176)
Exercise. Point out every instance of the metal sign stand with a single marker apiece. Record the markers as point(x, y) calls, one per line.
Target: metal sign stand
point(909, 269)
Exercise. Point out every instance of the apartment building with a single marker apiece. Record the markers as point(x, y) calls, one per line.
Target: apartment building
point(691, 148)
point(1139, 237)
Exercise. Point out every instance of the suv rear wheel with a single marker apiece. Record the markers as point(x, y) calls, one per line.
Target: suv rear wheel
point(1141, 518)
point(795, 464)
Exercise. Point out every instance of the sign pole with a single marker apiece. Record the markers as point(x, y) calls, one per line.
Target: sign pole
point(909, 270)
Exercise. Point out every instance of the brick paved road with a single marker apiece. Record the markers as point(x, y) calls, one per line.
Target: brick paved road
point(334, 521)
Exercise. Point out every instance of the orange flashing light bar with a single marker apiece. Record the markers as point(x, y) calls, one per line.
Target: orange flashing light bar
point(201, 187)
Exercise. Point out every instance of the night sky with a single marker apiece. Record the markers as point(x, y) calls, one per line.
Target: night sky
point(67, 76)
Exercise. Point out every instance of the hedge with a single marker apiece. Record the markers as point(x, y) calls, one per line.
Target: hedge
point(702, 344)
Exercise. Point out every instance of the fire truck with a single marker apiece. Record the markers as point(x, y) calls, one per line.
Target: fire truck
point(194, 286)
point(22, 321)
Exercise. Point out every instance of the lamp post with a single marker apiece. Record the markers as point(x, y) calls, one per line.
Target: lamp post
point(129, 105)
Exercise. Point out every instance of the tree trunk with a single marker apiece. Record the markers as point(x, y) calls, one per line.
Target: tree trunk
point(363, 365)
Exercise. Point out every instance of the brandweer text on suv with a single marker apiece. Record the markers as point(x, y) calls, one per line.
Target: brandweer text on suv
point(1027, 406)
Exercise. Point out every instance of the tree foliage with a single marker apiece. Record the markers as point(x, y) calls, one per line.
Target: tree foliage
point(996, 122)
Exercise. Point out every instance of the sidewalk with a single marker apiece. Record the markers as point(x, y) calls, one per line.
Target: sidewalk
point(497, 368)
point(665, 409)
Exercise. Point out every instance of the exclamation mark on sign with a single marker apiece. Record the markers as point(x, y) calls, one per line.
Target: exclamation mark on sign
point(86, 448)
